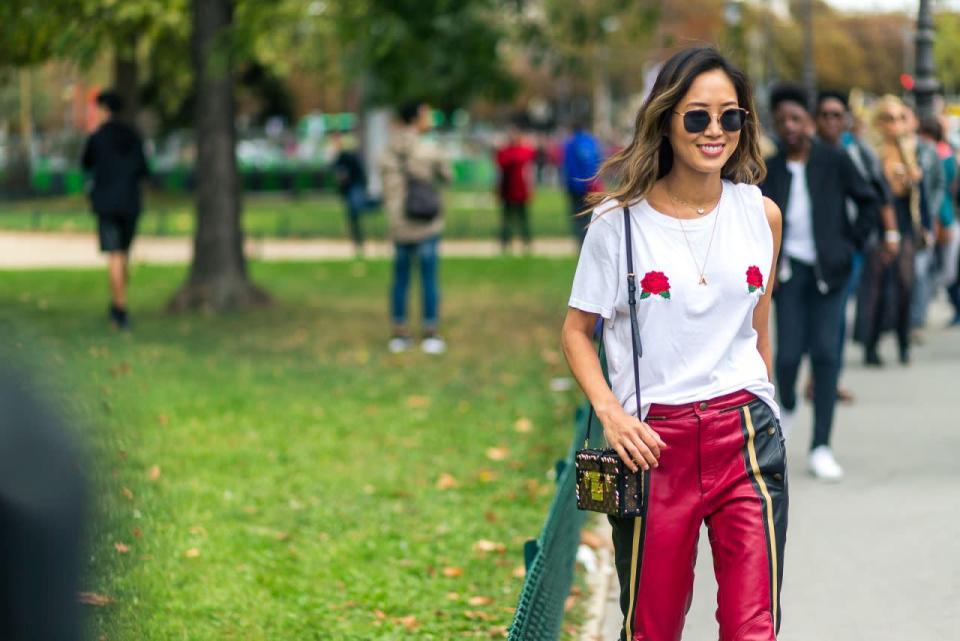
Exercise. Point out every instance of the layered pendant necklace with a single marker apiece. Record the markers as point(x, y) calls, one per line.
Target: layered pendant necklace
point(701, 267)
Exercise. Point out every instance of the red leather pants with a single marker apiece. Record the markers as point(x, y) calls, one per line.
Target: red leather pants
point(725, 466)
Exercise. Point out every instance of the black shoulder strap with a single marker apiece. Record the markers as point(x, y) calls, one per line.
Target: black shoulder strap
point(634, 324)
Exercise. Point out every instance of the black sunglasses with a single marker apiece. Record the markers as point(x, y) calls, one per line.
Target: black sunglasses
point(697, 120)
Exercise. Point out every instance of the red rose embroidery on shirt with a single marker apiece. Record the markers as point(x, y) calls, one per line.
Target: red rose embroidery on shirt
point(654, 284)
point(754, 279)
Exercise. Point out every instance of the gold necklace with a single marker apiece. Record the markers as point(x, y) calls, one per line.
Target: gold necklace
point(700, 210)
point(703, 267)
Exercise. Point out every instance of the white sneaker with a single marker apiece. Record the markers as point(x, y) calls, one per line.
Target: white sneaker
point(823, 465)
point(399, 344)
point(433, 345)
point(787, 418)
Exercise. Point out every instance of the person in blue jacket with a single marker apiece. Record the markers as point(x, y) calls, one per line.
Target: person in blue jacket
point(581, 160)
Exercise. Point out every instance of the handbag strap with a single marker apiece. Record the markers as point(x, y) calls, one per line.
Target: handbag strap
point(634, 325)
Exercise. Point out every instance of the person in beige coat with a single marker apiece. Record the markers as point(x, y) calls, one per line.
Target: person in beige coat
point(411, 169)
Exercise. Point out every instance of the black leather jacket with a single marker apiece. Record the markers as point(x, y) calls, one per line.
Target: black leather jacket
point(831, 179)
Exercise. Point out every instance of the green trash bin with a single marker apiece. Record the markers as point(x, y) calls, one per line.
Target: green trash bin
point(42, 180)
point(73, 181)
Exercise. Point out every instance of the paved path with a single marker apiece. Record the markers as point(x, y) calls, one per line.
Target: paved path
point(39, 250)
point(876, 557)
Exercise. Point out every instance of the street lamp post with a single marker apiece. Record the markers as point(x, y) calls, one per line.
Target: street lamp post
point(925, 83)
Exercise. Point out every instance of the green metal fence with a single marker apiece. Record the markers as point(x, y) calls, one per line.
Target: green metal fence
point(550, 559)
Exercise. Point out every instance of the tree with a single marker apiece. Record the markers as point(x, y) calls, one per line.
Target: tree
point(441, 51)
point(946, 51)
point(218, 277)
point(29, 35)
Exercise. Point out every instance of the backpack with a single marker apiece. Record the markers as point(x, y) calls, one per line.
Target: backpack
point(422, 201)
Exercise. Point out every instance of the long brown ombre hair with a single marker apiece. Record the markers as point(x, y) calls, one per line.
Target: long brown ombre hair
point(649, 156)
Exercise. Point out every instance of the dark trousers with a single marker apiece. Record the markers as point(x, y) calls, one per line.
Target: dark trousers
point(809, 322)
point(427, 254)
point(514, 215)
point(356, 201)
point(892, 299)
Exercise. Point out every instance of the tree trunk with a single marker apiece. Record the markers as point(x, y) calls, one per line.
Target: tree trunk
point(218, 275)
point(125, 80)
point(16, 178)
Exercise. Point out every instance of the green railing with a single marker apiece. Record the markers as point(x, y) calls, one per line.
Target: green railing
point(550, 559)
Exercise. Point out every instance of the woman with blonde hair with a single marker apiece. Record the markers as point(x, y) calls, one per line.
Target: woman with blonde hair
point(688, 241)
point(885, 300)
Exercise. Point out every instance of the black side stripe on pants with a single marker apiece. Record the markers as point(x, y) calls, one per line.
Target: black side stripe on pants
point(629, 535)
point(766, 467)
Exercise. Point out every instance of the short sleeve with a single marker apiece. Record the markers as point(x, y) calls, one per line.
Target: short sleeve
point(596, 280)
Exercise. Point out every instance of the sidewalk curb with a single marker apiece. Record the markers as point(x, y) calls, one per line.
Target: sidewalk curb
point(603, 591)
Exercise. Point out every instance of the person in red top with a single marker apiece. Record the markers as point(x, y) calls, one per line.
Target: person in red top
point(514, 160)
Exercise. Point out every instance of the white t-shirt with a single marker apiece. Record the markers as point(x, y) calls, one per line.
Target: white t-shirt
point(699, 341)
point(798, 241)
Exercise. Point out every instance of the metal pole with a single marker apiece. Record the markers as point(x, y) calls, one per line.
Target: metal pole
point(925, 82)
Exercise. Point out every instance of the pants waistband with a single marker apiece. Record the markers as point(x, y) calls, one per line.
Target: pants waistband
point(729, 401)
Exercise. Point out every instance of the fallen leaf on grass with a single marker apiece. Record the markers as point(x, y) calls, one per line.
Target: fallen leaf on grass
point(452, 571)
point(198, 530)
point(569, 603)
point(122, 548)
point(127, 492)
point(416, 401)
point(192, 553)
point(120, 370)
point(137, 532)
point(446, 482)
point(92, 598)
point(520, 572)
point(479, 600)
point(535, 488)
point(477, 614)
point(483, 546)
point(498, 631)
point(409, 622)
point(453, 596)
point(154, 473)
point(380, 614)
point(163, 419)
point(497, 453)
point(523, 425)
point(490, 517)
point(487, 476)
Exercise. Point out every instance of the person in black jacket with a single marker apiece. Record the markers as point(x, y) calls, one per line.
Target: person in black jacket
point(113, 156)
point(811, 182)
point(351, 180)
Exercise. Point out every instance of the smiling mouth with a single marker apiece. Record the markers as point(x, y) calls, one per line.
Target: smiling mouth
point(713, 149)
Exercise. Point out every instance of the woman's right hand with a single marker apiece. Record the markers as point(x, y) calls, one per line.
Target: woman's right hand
point(636, 442)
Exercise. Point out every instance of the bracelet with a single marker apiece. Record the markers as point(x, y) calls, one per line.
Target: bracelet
point(891, 236)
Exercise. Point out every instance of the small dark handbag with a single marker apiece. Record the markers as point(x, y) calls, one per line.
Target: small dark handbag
point(604, 482)
point(422, 201)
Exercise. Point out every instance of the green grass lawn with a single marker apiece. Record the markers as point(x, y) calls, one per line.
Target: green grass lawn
point(278, 475)
point(470, 214)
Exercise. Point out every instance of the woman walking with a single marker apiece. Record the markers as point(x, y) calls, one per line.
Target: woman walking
point(704, 246)
point(889, 277)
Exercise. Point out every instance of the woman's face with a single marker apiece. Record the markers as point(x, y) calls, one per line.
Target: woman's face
point(706, 151)
point(892, 120)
